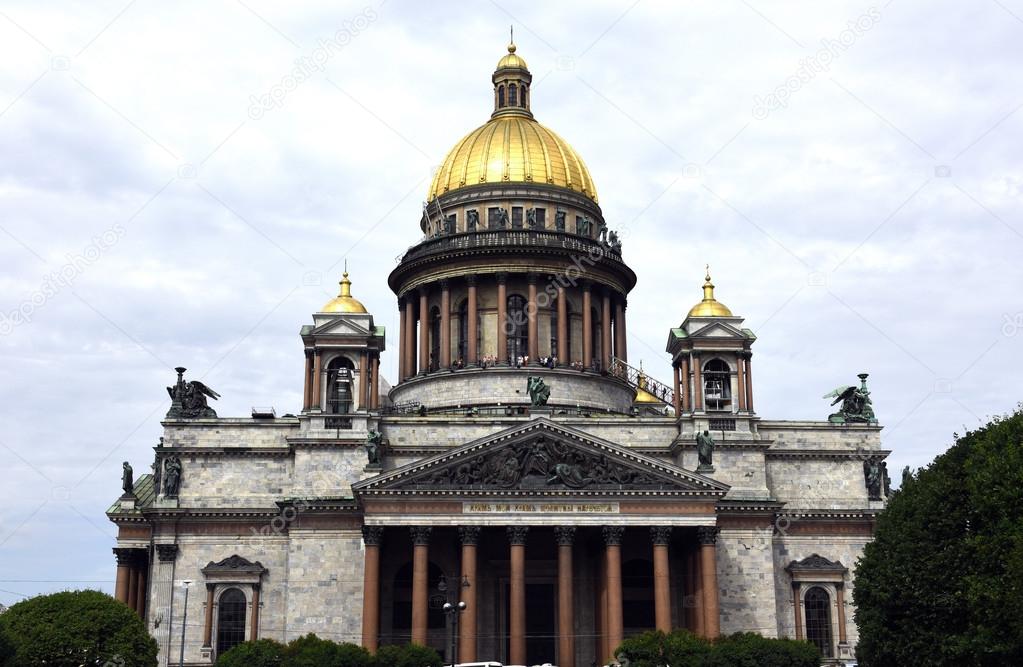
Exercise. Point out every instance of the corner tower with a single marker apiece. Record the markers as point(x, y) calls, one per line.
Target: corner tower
point(517, 273)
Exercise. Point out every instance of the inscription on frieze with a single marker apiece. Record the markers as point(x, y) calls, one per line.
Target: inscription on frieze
point(540, 508)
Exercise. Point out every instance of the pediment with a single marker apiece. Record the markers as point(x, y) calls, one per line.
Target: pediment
point(541, 458)
point(717, 329)
point(816, 563)
point(341, 326)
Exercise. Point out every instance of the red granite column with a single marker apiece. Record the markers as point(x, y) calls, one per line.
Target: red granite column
point(140, 600)
point(374, 385)
point(473, 324)
point(697, 385)
point(699, 625)
point(613, 556)
point(123, 557)
point(566, 611)
point(410, 337)
point(371, 536)
point(420, 583)
point(470, 536)
point(605, 330)
point(401, 340)
point(678, 389)
point(587, 326)
point(533, 321)
point(424, 332)
point(517, 597)
point(445, 324)
point(133, 585)
point(502, 318)
point(621, 349)
point(708, 572)
point(685, 384)
point(364, 381)
point(749, 382)
point(563, 324)
point(661, 537)
point(740, 367)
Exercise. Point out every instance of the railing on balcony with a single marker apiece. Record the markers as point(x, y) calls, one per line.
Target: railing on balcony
point(638, 379)
point(504, 238)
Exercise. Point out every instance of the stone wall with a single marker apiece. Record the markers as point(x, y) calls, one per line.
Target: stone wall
point(746, 581)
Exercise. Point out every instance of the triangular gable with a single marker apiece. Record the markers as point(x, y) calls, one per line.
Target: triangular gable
point(717, 329)
point(543, 458)
point(341, 326)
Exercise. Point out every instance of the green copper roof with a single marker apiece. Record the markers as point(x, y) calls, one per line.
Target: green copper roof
point(145, 494)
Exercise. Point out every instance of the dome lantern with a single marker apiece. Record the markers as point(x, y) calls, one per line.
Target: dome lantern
point(511, 84)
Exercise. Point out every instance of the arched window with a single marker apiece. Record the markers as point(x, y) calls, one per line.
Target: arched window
point(434, 338)
point(500, 97)
point(339, 385)
point(817, 607)
point(717, 385)
point(230, 620)
point(512, 97)
point(463, 331)
point(638, 595)
point(517, 327)
point(523, 102)
point(401, 616)
point(554, 329)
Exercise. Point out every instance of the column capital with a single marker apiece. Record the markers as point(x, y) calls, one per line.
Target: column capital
point(502, 277)
point(420, 535)
point(401, 303)
point(660, 535)
point(564, 535)
point(469, 535)
point(517, 534)
point(471, 279)
point(707, 534)
point(445, 283)
point(167, 553)
point(533, 277)
point(372, 536)
point(124, 556)
point(613, 535)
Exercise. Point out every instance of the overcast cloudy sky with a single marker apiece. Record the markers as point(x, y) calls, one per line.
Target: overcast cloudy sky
point(180, 184)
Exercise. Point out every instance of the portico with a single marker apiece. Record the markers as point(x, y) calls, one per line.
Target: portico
point(560, 544)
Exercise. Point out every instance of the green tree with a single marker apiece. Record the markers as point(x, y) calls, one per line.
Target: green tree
point(76, 628)
point(260, 653)
point(682, 648)
point(311, 651)
point(942, 582)
point(410, 655)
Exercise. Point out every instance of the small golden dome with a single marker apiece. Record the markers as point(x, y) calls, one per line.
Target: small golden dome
point(512, 61)
point(344, 302)
point(709, 307)
point(512, 149)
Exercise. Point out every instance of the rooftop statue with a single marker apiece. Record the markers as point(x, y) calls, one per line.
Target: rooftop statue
point(705, 451)
point(538, 390)
point(857, 407)
point(374, 441)
point(127, 481)
point(188, 399)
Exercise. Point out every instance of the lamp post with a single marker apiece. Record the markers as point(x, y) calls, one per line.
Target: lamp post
point(452, 611)
point(184, 624)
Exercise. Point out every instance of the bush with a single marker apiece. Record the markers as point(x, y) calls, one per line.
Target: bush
point(260, 653)
point(684, 649)
point(77, 628)
point(311, 651)
point(411, 655)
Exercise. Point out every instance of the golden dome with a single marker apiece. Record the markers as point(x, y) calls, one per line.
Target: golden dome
point(512, 61)
point(513, 149)
point(709, 307)
point(344, 302)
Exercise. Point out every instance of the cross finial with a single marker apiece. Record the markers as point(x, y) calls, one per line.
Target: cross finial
point(511, 32)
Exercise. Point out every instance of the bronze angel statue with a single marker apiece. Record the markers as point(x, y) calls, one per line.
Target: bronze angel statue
point(538, 390)
point(856, 404)
point(188, 399)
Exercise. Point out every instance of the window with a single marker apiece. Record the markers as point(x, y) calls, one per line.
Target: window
point(541, 218)
point(523, 101)
point(512, 101)
point(339, 385)
point(500, 97)
point(516, 217)
point(717, 385)
point(517, 327)
point(434, 338)
point(230, 620)
point(817, 607)
point(554, 330)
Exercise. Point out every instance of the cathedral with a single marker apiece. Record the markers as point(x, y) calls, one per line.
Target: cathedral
point(521, 493)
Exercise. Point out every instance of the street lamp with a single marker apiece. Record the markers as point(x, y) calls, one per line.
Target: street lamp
point(184, 624)
point(452, 611)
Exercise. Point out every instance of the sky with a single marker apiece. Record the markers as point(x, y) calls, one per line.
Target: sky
point(181, 184)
